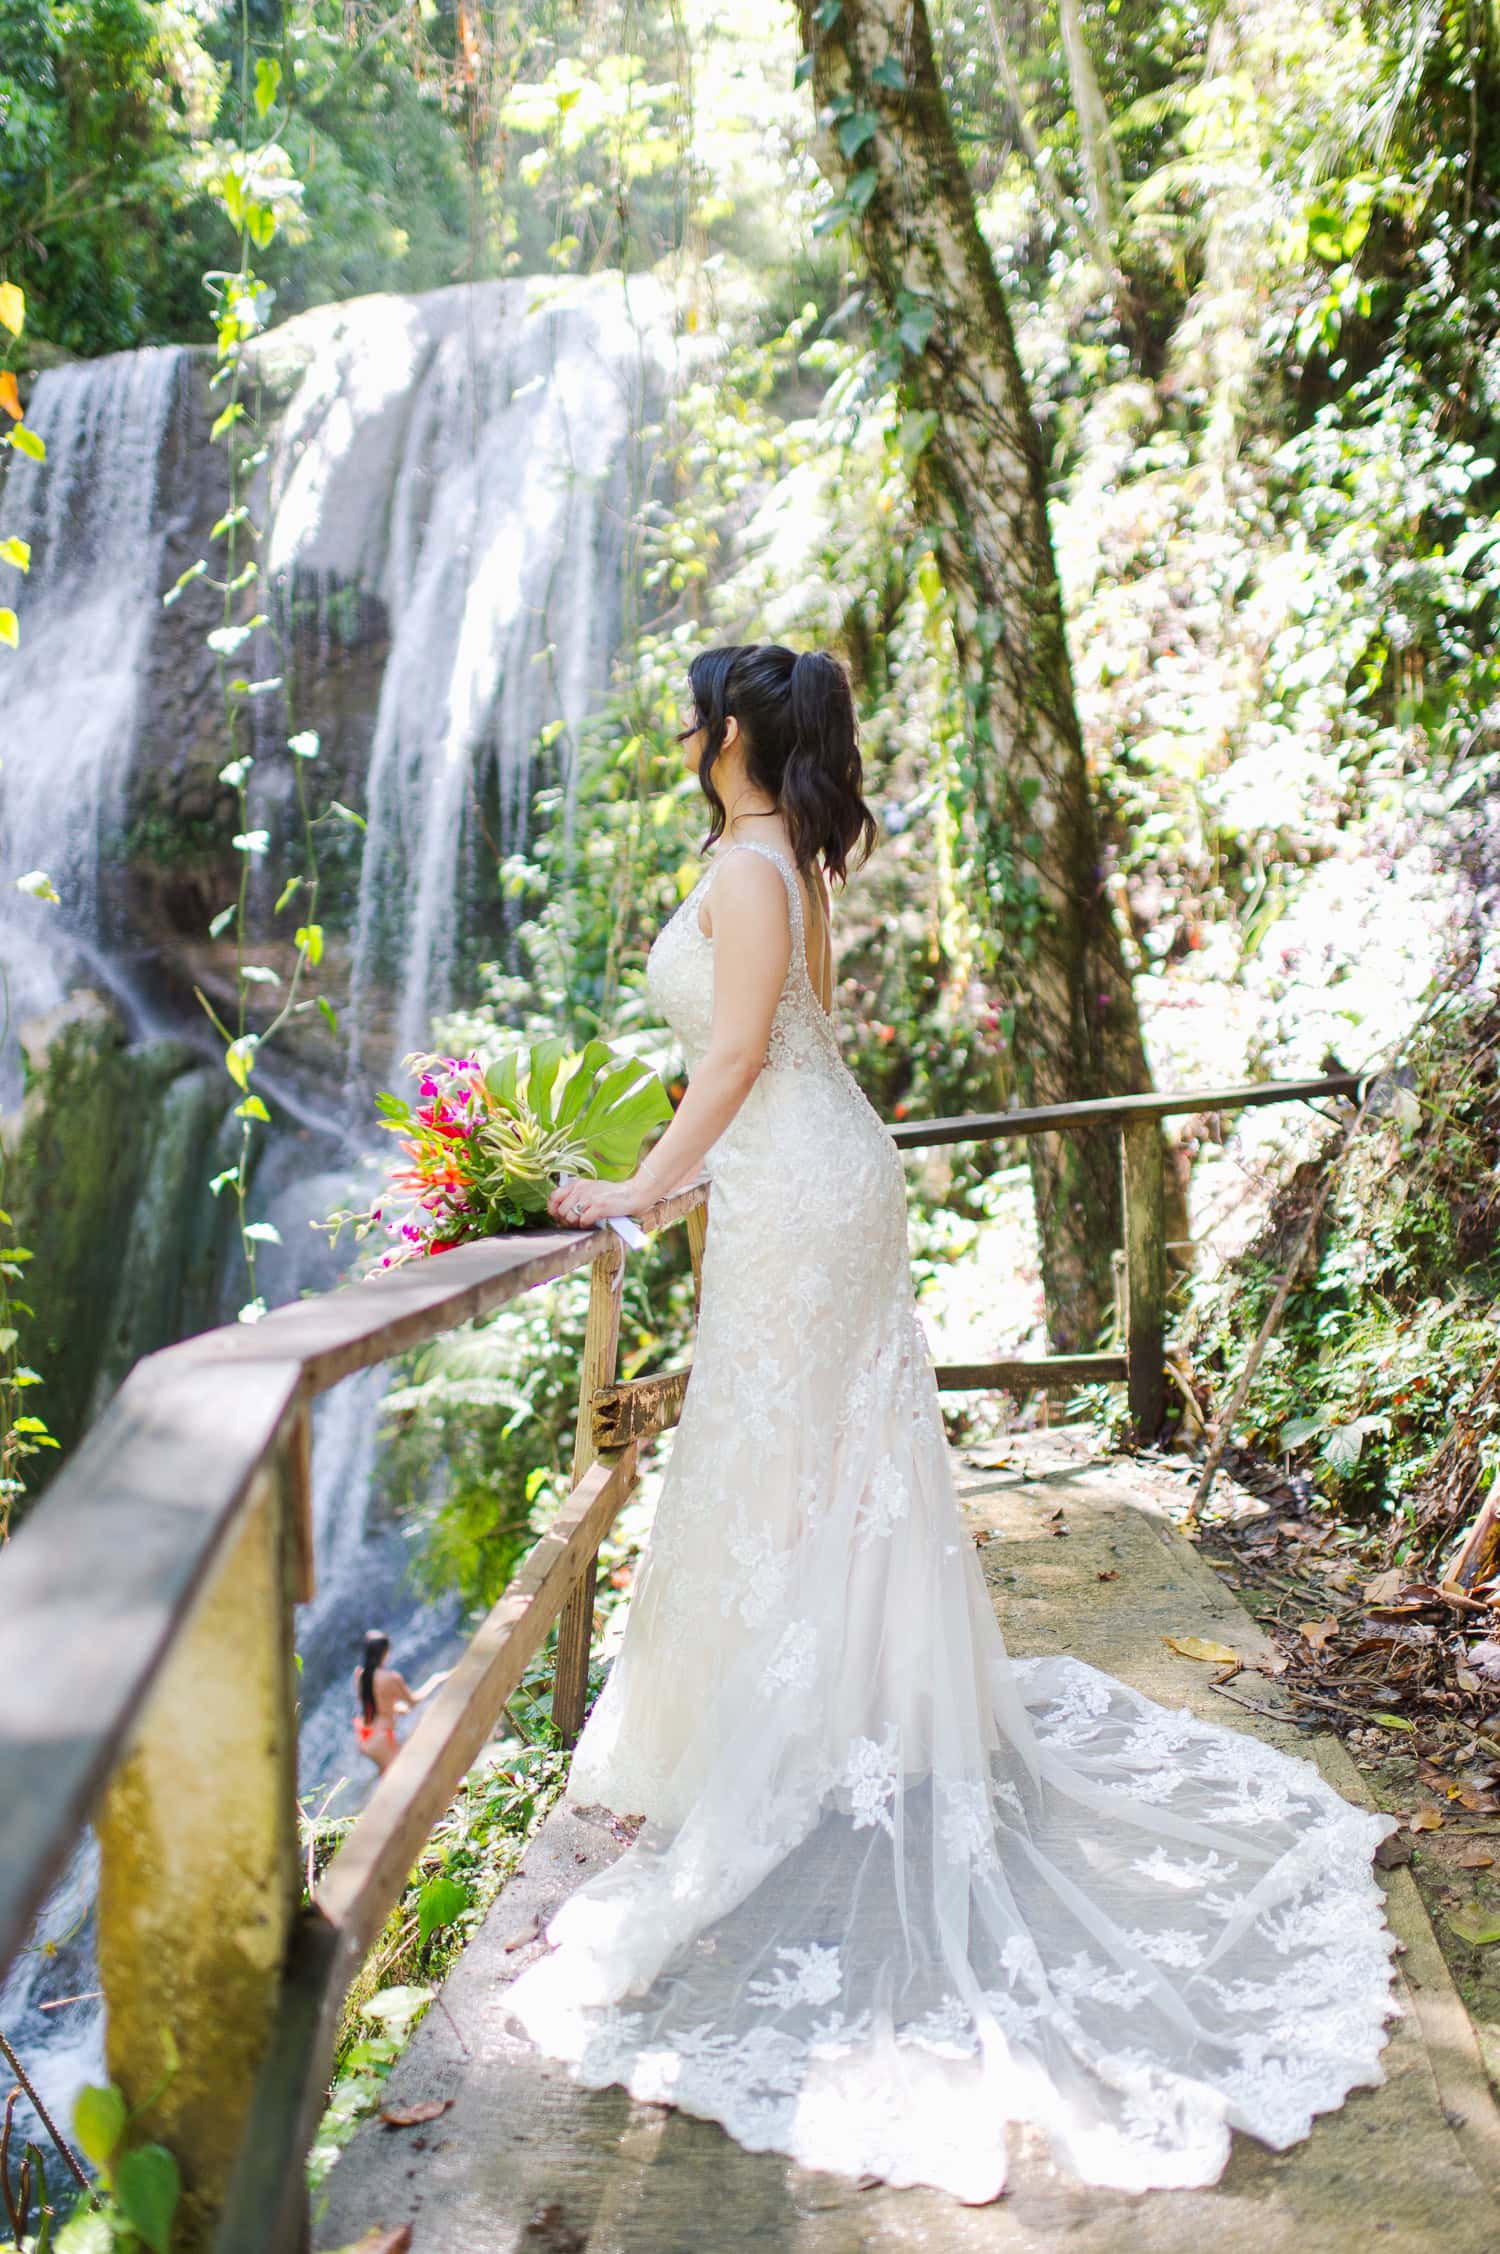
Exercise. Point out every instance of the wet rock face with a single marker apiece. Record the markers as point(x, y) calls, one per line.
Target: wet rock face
point(108, 1188)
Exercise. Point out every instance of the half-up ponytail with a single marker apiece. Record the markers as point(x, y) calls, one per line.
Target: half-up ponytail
point(801, 745)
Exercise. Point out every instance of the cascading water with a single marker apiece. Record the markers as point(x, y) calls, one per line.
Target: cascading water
point(93, 515)
point(500, 422)
point(459, 464)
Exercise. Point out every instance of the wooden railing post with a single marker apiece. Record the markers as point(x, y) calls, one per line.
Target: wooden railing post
point(199, 1862)
point(601, 1346)
point(1145, 1274)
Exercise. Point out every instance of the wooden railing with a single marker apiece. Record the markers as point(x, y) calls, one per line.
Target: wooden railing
point(146, 1659)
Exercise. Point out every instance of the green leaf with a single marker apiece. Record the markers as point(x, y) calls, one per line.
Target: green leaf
point(267, 84)
point(309, 937)
point(10, 630)
point(441, 1901)
point(1298, 1430)
point(25, 441)
point(546, 1057)
point(861, 188)
point(580, 1082)
point(86, 2232)
point(221, 922)
point(17, 552)
point(292, 885)
point(890, 73)
point(804, 70)
point(346, 813)
point(222, 1181)
point(239, 1060)
point(828, 14)
point(148, 2187)
point(252, 1108)
point(260, 974)
point(99, 2118)
point(916, 324)
point(1394, 1722)
point(503, 1079)
point(1475, 1926)
point(37, 885)
point(229, 520)
point(7, 1340)
point(397, 2007)
point(855, 131)
point(222, 422)
point(12, 308)
point(330, 1014)
point(184, 580)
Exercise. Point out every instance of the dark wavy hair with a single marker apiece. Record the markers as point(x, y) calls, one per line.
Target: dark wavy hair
point(373, 1656)
point(796, 712)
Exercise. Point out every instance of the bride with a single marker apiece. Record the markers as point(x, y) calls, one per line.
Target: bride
point(893, 1890)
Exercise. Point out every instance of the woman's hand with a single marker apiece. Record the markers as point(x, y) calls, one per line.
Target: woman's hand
point(580, 1205)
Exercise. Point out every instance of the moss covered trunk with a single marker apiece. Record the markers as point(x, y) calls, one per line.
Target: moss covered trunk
point(887, 144)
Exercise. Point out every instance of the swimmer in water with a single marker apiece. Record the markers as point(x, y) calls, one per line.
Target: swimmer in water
point(383, 1693)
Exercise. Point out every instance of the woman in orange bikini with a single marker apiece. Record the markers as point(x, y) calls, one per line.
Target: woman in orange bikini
point(384, 1693)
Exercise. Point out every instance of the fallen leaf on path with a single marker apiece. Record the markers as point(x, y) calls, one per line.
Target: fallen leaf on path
point(1485, 1660)
point(1475, 1859)
point(380, 2241)
point(1425, 1819)
point(1199, 1647)
point(1317, 1632)
point(408, 2116)
point(1394, 1722)
point(1112, 1575)
point(1479, 1927)
point(1274, 1662)
point(1384, 1586)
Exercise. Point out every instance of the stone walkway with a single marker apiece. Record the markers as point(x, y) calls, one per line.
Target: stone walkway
point(526, 2163)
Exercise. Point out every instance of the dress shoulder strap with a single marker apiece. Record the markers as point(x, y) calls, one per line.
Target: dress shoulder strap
point(793, 888)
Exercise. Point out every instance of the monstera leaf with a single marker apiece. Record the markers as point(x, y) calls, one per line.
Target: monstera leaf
point(553, 1113)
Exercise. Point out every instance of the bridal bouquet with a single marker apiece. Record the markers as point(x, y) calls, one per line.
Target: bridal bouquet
point(483, 1148)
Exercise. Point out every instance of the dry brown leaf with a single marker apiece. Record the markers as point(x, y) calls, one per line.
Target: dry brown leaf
point(1316, 1633)
point(1479, 1927)
point(1425, 1819)
point(1475, 1859)
point(1384, 1586)
point(381, 2241)
point(410, 2116)
point(1199, 1647)
point(1484, 1659)
point(1113, 1574)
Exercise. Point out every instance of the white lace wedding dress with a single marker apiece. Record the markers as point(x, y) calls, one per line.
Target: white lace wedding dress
point(896, 1890)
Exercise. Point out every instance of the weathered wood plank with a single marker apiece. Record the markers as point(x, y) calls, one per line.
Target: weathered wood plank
point(198, 1876)
point(601, 1348)
point(992, 1126)
point(1145, 1274)
point(636, 1410)
point(1038, 1373)
point(392, 1311)
point(367, 1875)
point(697, 1236)
point(96, 1586)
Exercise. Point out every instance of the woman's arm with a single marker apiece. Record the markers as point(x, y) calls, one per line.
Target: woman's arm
point(752, 952)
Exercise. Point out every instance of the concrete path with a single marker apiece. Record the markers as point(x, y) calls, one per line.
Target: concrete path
point(526, 2163)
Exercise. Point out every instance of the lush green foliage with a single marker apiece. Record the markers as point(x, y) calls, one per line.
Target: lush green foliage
point(1391, 1325)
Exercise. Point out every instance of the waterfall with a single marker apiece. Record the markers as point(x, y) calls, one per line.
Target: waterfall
point(93, 516)
point(495, 424)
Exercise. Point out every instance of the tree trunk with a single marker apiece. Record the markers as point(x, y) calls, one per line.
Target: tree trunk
point(887, 144)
